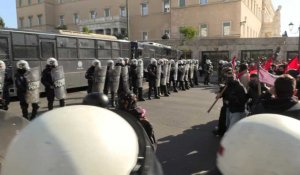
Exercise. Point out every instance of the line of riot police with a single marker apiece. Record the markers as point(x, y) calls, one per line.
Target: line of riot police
point(124, 76)
point(27, 82)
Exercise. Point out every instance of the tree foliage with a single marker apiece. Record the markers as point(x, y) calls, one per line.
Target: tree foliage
point(188, 32)
point(2, 24)
point(85, 29)
point(62, 27)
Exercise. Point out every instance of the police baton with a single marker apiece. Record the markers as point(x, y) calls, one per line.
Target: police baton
point(208, 111)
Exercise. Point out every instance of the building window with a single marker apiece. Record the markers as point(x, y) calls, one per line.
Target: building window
point(181, 3)
point(106, 12)
point(93, 14)
point(40, 1)
point(145, 36)
point(29, 2)
point(30, 21)
point(20, 3)
point(166, 6)
point(122, 11)
point(144, 9)
point(226, 28)
point(203, 2)
point(40, 19)
point(21, 22)
point(61, 20)
point(203, 30)
point(76, 18)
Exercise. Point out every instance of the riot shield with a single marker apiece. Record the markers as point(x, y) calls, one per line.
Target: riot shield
point(158, 76)
point(182, 75)
point(186, 72)
point(168, 72)
point(58, 78)
point(191, 71)
point(176, 71)
point(2, 78)
point(165, 72)
point(99, 79)
point(10, 126)
point(115, 78)
point(140, 73)
point(33, 77)
point(125, 78)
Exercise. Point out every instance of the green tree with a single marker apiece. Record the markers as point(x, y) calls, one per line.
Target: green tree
point(188, 32)
point(2, 24)
point(85, 29)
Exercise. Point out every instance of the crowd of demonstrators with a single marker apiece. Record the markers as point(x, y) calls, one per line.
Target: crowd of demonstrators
point(246, 95)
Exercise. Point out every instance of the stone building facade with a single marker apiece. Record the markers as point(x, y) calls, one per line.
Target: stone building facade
point(151, 19)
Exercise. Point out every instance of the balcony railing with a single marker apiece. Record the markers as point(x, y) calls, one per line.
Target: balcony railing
point(103, 20)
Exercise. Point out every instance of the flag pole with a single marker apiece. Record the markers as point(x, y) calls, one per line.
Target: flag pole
point(259, 85)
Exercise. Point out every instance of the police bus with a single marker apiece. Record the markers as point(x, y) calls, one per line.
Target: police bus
point(75, 51)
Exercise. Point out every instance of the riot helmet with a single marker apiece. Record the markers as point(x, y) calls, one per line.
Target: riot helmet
point(140, 62)
point(96, 99)
point(2, 65)
point(126, 61)
point(23, 65)
point(120, 62)
point(96, 62)
point(261, 144)
point(134, 61)
point(160, 62)
point(153, 61)
point(52, 62)
point(110, 63)
point(51, 143)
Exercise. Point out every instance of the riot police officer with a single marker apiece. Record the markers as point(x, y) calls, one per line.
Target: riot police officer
point(23, 88)
point(54, 87)
point(89, 75)
point(173, 75)
point(5, 82)
point(152, 71)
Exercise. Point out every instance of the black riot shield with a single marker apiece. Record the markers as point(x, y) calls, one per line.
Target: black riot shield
point(10, 126)
point(33, 77)
point(99, 79)
point(125, 78)
point(115, 78)
point(2, 77)
point(58, 78)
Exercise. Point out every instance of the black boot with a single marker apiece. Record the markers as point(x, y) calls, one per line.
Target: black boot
point(50, 105)
point(113, 99)
point(140, 94)
point(165, 91)
point(156, 93)
point(25, 112)
point(35, 108)
point(62, 102)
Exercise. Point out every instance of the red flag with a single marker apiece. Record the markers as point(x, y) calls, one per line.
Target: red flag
point(266, 77)
point(267, 64)
point(293, 64)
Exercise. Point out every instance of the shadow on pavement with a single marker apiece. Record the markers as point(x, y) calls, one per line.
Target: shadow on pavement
point(194, 144)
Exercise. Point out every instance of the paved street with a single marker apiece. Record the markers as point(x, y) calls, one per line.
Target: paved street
point(182, 125)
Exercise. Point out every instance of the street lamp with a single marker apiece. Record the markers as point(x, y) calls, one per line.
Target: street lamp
point(291, 26)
